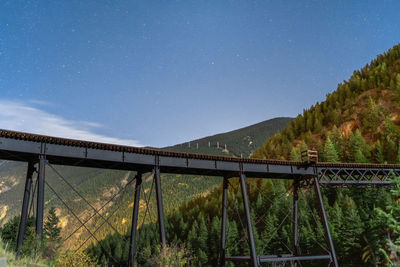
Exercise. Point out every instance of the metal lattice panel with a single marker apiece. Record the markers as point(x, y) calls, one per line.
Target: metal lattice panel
point(357, 177)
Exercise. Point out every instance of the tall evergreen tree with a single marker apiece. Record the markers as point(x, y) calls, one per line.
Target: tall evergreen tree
point(379, 156)
point(330, 153)
point(295, 154)
point(51, 229)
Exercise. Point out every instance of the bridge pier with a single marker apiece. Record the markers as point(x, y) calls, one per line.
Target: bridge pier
point(160, 207)
point(295, 230)
point(224, 221)
point(25, 206)
point(324, 220)
point(40, 196)
point(132, 244)
point(294, 258)
point(253, 253)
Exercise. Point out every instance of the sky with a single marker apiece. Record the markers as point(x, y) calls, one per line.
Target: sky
point(158, 73)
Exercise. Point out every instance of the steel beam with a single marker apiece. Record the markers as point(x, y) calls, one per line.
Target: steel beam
point(224, 220)
point(279, 258)
point(160, 208)
point(295, 231)
point(132, 244)
point(324, 219)
point(238, 258)
point(294, 258)
point(253, 253)
point(25, 206)
point(40, 196)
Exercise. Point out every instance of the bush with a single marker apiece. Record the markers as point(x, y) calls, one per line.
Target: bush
point(79, 259)
point(171, 256)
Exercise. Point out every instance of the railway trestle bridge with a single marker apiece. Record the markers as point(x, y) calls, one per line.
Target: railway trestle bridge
point(46, 150)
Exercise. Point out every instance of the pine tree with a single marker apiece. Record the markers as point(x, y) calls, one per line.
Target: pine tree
point(338, 141)
point(52, 233)
point(214, 240)
point(232, 238)
point(392, 131)
point(372, 118)
point(330, 154)
point(294, 154)
point(192, 237)
point(303, 146)
point(202, 236)
point(360, 151)
point(379, 157)
point(391, 215)
point(51, 229)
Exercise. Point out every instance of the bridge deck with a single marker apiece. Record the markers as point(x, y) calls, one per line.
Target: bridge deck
point(21, 146)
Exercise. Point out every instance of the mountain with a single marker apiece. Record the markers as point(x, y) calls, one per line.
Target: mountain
point(359, 122)
point(98, 185)
point(240, 143)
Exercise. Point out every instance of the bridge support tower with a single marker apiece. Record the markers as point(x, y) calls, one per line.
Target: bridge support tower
point(39, 200)
point(25, 206)
point(160, 211)
point(255, 260)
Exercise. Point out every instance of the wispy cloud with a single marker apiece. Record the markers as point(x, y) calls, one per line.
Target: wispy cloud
point(25, 117)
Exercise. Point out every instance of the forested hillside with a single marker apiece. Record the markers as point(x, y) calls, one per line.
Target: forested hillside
point(358, 122)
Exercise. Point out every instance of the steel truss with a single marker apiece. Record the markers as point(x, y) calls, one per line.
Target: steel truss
point(294, 258)
point(356, 177)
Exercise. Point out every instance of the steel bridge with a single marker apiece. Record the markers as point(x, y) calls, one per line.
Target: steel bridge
point(46, 150)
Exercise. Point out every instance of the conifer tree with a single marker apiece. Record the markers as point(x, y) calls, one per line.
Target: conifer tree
point(294, 154)
point(232, 238)
point(214, 240)
point(52, 233)
point(391, 215)
point(359, 148)
point(192, 237)
point(372, 118)
point(379, 152)
point(330, 153)
point(202, 235)
point(51, 229)
point(337, 140)
point(303, 146)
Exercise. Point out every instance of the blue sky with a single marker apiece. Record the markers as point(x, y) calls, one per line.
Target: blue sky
point(163, 72)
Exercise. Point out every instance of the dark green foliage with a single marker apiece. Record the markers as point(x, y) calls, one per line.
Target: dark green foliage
point(351, 214)
point(330, 153)
point(360, 151)
point(9, 233)
point(52, 233)
point(51, 229)
point(32, 246)
point(390, 217)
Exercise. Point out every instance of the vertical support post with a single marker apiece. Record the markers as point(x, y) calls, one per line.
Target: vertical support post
point(40, 196)
point(160, 208)
point(324, 219)
point(224, 220)
point(25, 205)
point(132, 244)
point(295, 233)
point(253, 254)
